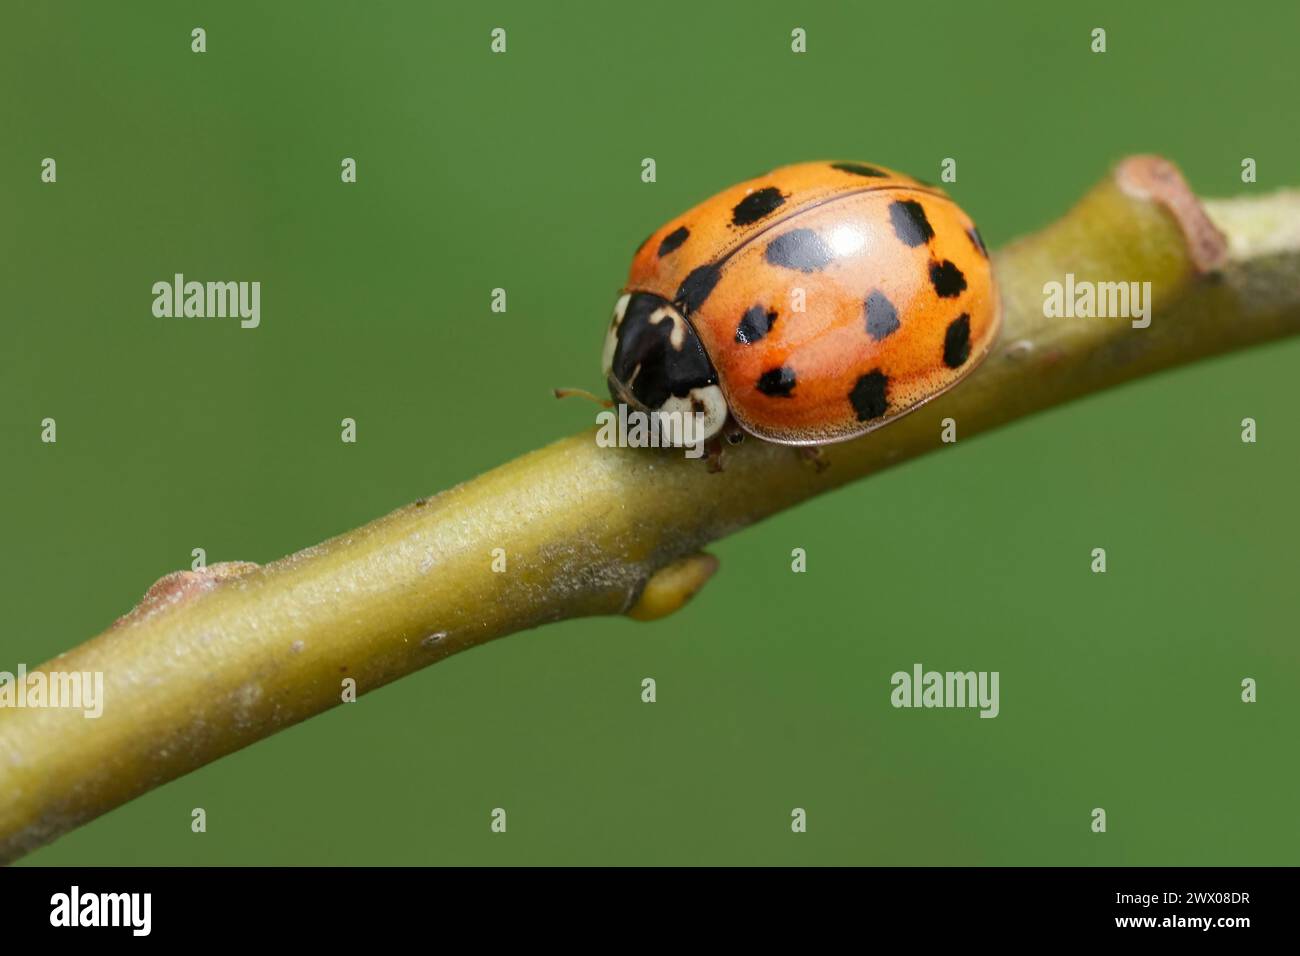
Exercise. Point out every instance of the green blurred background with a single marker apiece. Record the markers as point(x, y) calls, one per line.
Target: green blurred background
point(523, 171)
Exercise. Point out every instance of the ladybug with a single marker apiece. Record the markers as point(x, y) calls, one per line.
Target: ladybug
point(808, 306)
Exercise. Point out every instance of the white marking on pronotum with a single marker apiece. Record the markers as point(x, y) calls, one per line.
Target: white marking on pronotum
point(611, 338)
point(678, 335)
point(620, 307)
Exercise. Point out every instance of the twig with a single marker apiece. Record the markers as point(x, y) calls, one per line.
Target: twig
point(213, 661)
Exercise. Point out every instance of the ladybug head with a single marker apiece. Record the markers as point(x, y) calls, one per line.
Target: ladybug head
point(654, 362)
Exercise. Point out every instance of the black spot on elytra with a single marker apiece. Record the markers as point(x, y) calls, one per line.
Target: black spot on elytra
point(647, 366)
point(673, 240)
point(800, 249)
point(947, 279)
point(868, 396)
point(882, 317)
point(956, 341)
point(910, 224)
point(695, 288)
point(755, 324)
point(777, 382)
point(858, 169)
point(756, 205)
point(977, 241)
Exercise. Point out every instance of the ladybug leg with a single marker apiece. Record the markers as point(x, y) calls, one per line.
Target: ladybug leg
point(814, 454)
point(713, 449)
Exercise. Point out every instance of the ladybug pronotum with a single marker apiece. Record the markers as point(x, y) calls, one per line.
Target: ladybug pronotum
point(897, 295)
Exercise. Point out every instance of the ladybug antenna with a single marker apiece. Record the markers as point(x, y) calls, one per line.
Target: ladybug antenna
point(582, 393)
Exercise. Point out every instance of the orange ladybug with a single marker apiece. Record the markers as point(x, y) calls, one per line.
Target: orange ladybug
point(810, 305)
